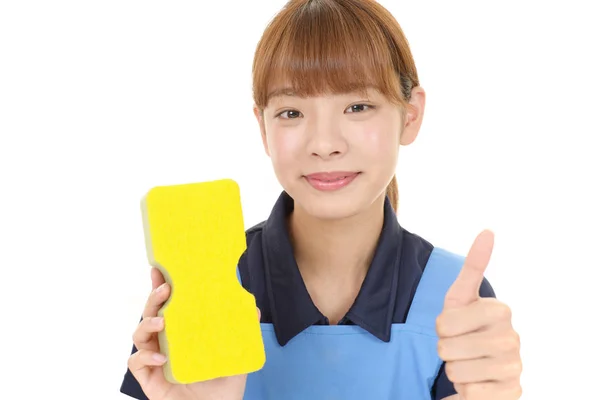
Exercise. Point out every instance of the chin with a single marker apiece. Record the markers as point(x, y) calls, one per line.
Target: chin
point(329, 210)
point(331, 205)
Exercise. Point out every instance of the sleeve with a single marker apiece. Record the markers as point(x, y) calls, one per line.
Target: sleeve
point(442, 386)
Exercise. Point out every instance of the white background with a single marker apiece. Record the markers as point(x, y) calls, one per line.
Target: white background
point(100, 101)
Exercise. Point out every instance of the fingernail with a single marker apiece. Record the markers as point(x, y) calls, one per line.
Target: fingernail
point(159, 357)
point(157, 320)
point(160, 288)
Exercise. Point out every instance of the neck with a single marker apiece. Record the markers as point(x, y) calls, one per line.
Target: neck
point(336, 250)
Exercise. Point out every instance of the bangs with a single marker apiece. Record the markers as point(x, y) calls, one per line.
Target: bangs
point(322, 47)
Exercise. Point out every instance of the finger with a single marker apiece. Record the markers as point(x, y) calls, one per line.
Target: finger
point(156, 300)
point(157, 278)
point(259, 315)
point(139, 362)
point(483, 370)
point(490, 390)
point(483, 314)
point(144, 336)
point(475, 345)
point(465, 289)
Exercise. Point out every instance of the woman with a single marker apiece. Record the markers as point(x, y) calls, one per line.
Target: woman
point(352, 305)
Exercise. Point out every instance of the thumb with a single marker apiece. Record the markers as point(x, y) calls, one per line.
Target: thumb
point(465, 288)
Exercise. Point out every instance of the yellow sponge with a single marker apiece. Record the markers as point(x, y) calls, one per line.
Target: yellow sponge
point(195, 235)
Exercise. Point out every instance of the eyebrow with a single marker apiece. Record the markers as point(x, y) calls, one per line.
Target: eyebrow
point(282, 92)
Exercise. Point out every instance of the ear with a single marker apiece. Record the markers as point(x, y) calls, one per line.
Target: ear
point(258, 113)
point(414, 116)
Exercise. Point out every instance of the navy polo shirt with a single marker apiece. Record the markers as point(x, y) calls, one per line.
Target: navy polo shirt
point(269, 271)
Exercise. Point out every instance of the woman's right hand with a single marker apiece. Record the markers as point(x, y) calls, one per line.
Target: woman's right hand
point(146, 364)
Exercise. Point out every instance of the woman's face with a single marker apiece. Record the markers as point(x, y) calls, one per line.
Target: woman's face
point(336, 154)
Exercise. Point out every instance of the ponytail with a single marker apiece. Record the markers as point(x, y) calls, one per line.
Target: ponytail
point(392, 193)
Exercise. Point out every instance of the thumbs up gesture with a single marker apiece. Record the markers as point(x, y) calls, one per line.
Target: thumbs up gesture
point(476, 338)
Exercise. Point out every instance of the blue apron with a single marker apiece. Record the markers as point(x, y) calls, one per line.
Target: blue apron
point(346, 362)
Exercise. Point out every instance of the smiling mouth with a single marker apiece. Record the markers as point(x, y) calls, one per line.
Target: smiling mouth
point(331, 181)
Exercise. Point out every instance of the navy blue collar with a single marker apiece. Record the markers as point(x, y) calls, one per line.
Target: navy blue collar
point(292, 308)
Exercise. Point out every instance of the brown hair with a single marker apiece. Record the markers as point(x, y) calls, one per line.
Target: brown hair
point(335, 46)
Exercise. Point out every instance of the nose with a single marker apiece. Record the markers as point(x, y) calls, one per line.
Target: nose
point(326, 140)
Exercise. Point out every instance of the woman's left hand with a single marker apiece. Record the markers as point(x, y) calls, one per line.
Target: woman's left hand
point(476, 338)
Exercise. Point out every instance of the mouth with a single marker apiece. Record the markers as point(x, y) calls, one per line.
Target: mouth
point(331, 181)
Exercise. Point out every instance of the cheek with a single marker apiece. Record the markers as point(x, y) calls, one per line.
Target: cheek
point(379, 143)
point(285, 145)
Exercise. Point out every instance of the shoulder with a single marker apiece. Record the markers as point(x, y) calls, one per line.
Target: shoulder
point(250, 232)
point(254, 237)
point(250, 264)
point(415, 249)
point(251, 267)
point(419, 250)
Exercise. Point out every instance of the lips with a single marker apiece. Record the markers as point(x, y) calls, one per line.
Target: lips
point(331, 176)
point(330, 181)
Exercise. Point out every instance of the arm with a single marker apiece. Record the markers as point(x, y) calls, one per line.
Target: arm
point(454, 397)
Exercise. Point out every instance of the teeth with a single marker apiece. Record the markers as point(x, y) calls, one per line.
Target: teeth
point(337, 179)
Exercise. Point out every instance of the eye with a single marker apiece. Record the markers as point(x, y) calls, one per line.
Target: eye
point(289, 114)
point(358, 107)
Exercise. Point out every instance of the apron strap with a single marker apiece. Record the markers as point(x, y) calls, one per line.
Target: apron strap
point(440, 273)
